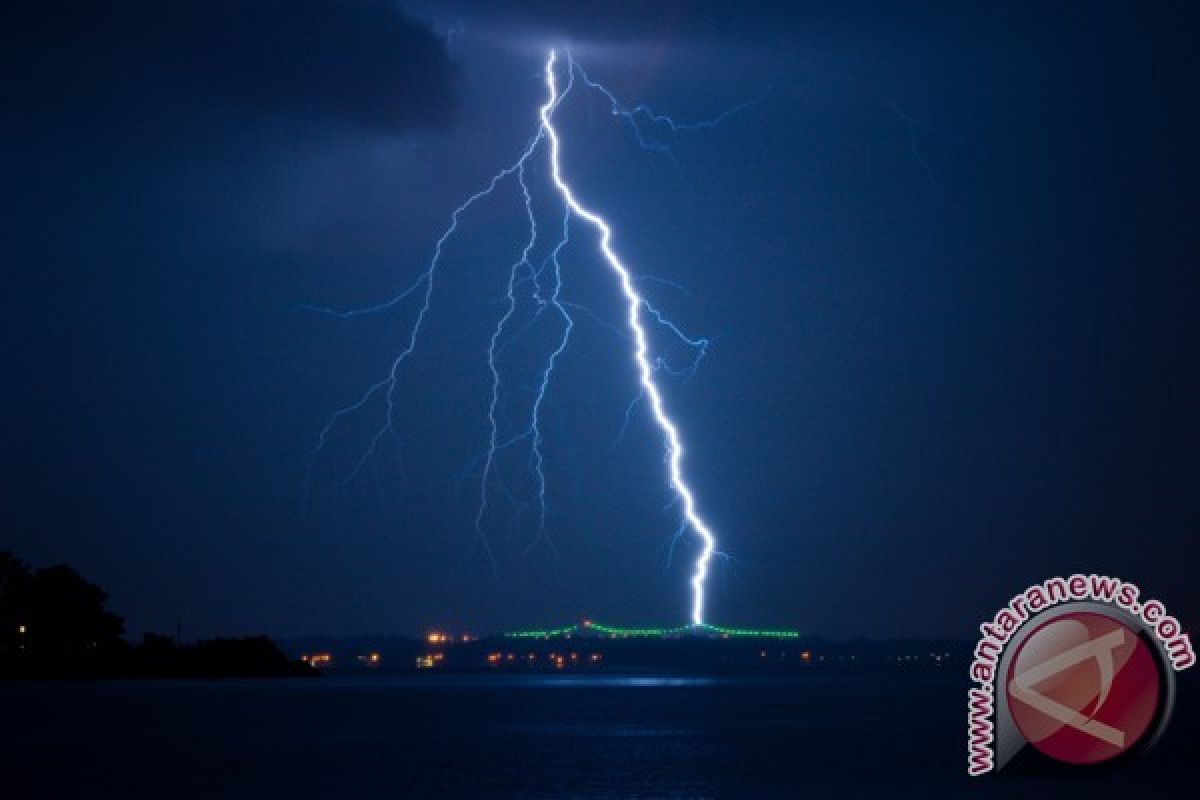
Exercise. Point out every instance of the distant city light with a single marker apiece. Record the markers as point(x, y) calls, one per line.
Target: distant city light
point(317, 659)
point(430, 660)
point(583, 646)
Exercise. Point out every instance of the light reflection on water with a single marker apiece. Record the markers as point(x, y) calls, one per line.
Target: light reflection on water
point(533, 681)
point(615, 681)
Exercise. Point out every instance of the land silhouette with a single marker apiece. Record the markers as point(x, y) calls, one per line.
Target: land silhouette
point(56, 624)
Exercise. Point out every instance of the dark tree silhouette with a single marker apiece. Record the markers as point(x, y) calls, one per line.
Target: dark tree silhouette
point(53, 615)
point(55, 623)
point(250, 656)
point(68, 614)
point(14, 588)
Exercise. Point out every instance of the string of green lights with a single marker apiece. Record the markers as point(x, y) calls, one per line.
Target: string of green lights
point(616, 632)
point(543, 634)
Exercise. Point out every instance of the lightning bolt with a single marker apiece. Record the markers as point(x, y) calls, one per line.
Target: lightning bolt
point(555, 302)
point(636, 305)
point(388, 384)
point(523, 261)
point(545, 284)
point(642, 113)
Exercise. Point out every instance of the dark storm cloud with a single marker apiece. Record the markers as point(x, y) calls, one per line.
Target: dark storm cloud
point(683, 21)
point(598, 18)
point(133, 64)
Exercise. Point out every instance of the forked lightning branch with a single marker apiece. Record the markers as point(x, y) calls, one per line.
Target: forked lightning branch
point(545, 282)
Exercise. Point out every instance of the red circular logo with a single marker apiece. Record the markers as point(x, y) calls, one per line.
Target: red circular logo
point(1083, 688)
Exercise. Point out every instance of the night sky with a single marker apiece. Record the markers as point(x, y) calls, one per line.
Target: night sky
point(948, 262)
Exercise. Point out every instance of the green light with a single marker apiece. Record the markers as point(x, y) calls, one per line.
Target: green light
point(768, 634)
point(681, 630)
point(543, 634)
point(611, 631)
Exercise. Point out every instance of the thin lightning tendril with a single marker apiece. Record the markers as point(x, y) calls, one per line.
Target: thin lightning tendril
point(545, 282)
point(391, 381)
point(537, 460)
point(635, 115)
point(496, 333)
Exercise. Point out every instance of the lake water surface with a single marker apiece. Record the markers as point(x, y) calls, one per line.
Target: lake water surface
point(818, 735)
